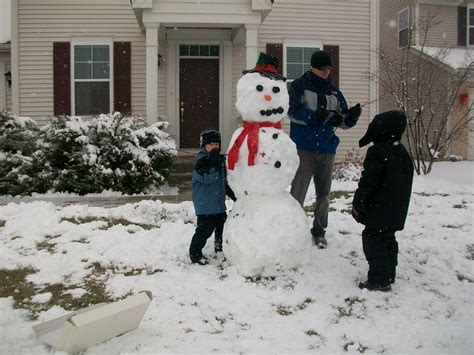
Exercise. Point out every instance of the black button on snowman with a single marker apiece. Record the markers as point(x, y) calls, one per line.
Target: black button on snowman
point(267, 231)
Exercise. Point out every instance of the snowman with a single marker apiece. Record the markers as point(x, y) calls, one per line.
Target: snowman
point(267, 230)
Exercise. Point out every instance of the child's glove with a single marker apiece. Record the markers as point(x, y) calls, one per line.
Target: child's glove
point(329, 117)
point(359, 214)
point(354, 113)
point(203, 166)
point(215, 157)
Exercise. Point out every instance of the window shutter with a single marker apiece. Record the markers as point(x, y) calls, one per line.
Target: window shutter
point(462, 26)
point(276, 49)
point(334, 51)
point(62, 78)
point(122, 77)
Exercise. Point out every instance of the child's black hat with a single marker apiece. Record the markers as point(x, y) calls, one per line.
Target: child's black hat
point(210, 136)
point(385, 127)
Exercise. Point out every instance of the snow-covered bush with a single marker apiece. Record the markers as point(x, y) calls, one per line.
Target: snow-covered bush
point(349, 169)
point(110, 152)
point(20, 159)
point(129, 156)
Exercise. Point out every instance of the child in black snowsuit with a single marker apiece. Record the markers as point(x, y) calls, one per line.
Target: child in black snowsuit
point(382, 198)
point(209, 191)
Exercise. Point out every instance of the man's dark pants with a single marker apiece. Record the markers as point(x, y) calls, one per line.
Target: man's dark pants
point(381, 251)
point(206, 225)
point(320, 168)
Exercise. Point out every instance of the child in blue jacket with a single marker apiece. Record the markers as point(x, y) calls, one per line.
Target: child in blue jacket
point(209, 191)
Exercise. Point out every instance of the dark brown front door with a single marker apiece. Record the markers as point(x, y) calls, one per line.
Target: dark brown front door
point(198, 99)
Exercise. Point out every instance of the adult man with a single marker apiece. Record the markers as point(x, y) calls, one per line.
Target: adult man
point(316, 110)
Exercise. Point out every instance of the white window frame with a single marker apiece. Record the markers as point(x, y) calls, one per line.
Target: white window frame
point(468, 26)
point(298, 44)
point(92, 42)
point(407, 9)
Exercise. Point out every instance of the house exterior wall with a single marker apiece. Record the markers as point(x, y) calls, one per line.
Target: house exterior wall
point(445, 32)
point(460, 144)
point(42, 23)
point(342, 23)
point(5, 91)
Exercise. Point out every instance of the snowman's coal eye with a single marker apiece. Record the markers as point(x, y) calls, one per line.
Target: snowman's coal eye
point(276, 89)
point(259, 88)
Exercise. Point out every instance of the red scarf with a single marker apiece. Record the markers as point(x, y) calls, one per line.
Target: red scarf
point(251, 130)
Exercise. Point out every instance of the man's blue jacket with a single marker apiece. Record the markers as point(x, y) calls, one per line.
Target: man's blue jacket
point(209, 189)
point(307, 94)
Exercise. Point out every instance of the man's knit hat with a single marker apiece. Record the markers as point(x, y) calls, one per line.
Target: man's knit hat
point(321, 60)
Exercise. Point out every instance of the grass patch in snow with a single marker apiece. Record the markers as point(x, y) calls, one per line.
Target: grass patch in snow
point(470, 251)
point(353, 307)
point(47, 245)
point(426, 194)
point(462, 277)
point(13, 283)
point(335, 195)
point(2, 223)
point(287, 310)
point(110, 222)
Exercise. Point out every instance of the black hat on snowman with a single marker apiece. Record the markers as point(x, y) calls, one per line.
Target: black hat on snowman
point(210, 136)
point(266, 66)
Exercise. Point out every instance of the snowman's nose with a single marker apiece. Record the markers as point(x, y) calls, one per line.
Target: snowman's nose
point(268, 97)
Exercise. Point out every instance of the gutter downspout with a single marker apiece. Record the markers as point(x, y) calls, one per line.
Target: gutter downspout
point(373, 58)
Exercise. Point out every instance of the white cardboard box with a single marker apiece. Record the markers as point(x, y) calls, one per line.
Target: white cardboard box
point(79, 330)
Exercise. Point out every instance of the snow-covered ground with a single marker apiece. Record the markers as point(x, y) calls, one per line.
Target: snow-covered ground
point(316, 308)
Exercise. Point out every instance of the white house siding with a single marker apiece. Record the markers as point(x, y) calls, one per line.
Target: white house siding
point(43, 22)
point(388, 40)
point(445, 33)
point(342, 23)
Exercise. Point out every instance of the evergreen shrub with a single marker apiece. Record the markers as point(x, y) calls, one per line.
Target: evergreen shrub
point(110, 152)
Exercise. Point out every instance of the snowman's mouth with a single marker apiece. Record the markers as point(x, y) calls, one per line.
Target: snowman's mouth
point(272, 111)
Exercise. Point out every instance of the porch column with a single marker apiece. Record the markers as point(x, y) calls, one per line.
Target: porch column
point(152, 72)
point(251, 45)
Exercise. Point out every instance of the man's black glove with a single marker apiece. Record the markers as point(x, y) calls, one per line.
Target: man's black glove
point(203, 166)
point(215, 158)
point(329, 117)
point(354, 113)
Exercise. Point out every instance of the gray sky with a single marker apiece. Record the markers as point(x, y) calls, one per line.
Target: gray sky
point(5, 20)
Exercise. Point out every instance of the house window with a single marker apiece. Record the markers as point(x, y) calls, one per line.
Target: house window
point(470, 25)
point(198, 50)
point(92, 82)
point(298, 60)
point(403, 33)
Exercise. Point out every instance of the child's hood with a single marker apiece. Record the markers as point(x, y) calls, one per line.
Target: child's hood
point(385, 127)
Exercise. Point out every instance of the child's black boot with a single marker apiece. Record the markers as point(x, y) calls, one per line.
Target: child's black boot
point(201, 260)
point(374, 287)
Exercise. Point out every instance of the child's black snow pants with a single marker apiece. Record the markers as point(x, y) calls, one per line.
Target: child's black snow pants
point(206, 225)
point(381, 251)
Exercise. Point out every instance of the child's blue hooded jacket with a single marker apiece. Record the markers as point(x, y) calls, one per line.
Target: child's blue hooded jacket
point(209, 189)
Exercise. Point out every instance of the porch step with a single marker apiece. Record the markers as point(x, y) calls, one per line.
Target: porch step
point(182, 169)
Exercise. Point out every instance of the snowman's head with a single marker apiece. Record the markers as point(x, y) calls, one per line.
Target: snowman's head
point(261, 98)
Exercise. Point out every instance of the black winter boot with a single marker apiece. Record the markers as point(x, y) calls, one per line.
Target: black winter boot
point(374, 287)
